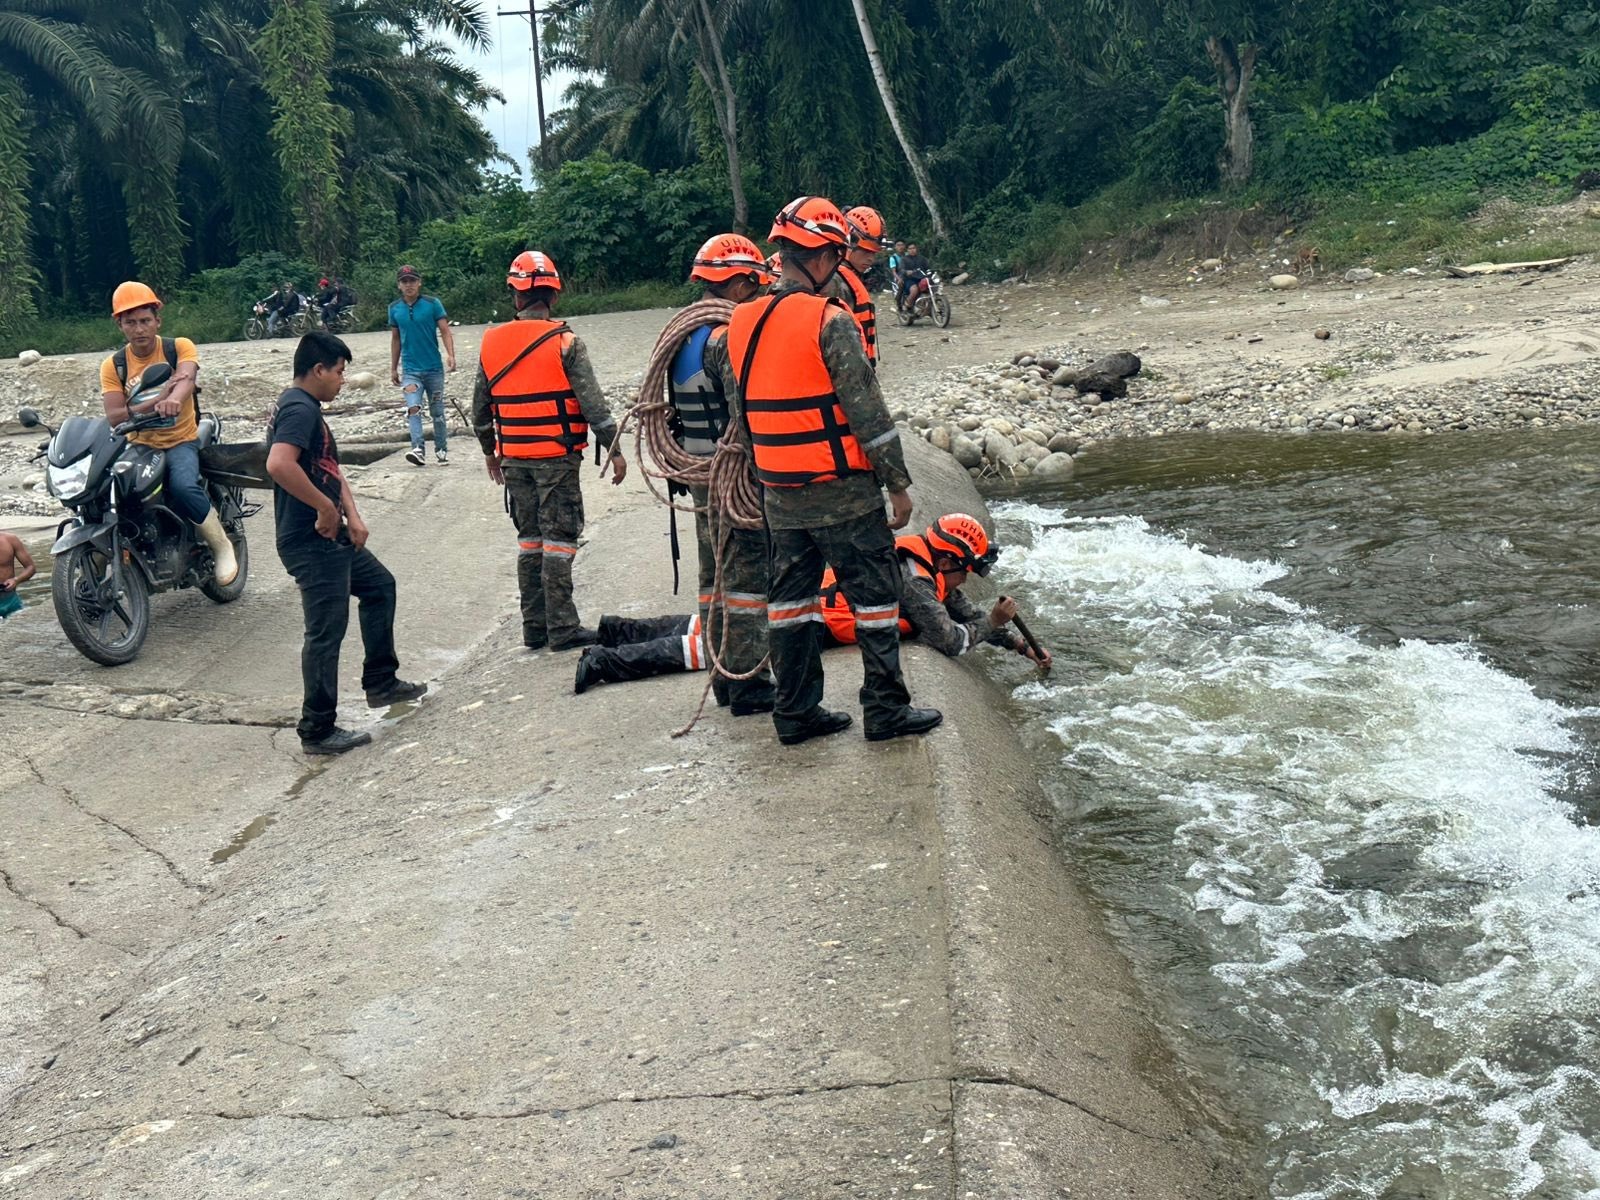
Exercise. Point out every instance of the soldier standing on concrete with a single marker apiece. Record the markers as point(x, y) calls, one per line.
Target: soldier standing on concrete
point(731, 267)
point(805, 396)
point(535, 400)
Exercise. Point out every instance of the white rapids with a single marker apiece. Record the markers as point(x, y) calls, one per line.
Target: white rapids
point(1371, 921)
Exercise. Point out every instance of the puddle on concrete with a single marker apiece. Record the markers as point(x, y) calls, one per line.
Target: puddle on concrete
point(245, 836)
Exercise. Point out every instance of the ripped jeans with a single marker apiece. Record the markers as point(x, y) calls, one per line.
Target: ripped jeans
point(414, 387)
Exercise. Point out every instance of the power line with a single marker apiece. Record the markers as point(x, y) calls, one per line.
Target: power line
point(538, 68)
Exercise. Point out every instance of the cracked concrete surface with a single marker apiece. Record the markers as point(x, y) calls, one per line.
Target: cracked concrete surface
point(528, 944)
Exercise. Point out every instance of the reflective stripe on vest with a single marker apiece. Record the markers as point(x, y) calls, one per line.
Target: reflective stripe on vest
point(702, 408)
point(862, 309)
point(536, 412)
point(841, 618)
point(797, 427)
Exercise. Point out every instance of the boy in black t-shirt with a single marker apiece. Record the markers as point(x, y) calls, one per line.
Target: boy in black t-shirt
point(322, 541)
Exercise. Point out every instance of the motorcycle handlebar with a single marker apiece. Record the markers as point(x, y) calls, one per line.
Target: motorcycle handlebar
point(137, 423)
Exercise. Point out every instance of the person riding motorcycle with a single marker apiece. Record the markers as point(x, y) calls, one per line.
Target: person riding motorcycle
point(280, 305)
point(137, 312)
point(913, 269)
point(334, 297)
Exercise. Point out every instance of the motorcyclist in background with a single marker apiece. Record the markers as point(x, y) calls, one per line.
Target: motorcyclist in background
point(280, 305)
point(913, 268)
point(335, 296)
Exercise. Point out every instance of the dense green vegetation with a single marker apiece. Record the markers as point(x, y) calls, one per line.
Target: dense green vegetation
point(210, 148)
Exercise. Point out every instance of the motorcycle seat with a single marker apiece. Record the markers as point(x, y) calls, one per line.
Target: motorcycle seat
point(206, 434)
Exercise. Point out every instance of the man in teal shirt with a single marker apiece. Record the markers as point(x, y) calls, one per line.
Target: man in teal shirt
point(416, 324)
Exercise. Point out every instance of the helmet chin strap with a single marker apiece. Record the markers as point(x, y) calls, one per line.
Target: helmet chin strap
point(818, 284)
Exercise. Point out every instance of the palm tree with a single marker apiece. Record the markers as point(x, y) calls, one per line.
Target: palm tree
point(635, 41)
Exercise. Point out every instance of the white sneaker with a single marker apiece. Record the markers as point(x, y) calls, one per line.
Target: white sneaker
point(416, 458)
point(442, 458)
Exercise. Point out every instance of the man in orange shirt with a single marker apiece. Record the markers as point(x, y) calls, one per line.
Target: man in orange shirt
point(137, 311)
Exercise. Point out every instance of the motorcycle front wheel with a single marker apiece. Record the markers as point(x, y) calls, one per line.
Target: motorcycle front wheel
point(255, 329)
point(905, 315)
point(941, 311)
point(227, 595)
point(300, 323)
point(105, 628)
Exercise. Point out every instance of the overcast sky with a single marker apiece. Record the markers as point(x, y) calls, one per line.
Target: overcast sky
point(508, 66)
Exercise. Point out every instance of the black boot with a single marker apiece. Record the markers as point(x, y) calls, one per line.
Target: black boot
point(619, 664)
point(750, 696)
point(908, 721)
point(625, 631)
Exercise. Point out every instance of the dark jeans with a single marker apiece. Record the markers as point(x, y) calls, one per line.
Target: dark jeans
point(328, 573)
point(861, 553)
point(186, 495)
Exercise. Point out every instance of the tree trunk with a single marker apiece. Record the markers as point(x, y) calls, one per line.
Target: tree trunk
point(1236, 69)
point(729, 120)
point(881, 77)
point(296, 45)
point(16, 233)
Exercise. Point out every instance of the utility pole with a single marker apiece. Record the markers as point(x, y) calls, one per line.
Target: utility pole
point(538, 69)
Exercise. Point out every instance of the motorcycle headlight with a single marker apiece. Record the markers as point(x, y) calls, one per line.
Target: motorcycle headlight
point(68, 482)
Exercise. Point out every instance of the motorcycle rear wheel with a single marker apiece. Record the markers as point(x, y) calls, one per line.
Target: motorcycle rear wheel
point(104, 629)
point(941, 311)
point(213, 590)
point(255, 329)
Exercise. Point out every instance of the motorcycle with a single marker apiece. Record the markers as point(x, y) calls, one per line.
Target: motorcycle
point(297, 323)
point(925, 299)
point(122, 543)
point(342, 321)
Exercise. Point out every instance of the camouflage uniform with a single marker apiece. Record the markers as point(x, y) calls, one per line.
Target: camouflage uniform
point(951, 626)
point(841, 524)
point(546, 505)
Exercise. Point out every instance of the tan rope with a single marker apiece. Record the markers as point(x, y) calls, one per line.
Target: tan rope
point(727, 476)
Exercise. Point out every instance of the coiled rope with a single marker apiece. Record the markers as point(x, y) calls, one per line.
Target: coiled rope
point(727, 476)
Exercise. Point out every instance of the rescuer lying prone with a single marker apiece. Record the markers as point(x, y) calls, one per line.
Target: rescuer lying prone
point(933, 567)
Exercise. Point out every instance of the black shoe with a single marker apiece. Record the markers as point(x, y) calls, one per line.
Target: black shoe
point(820, 723)
point(910, 720)
point(534, 639)
point(754, 700)
point(589, 672)
point(335, 741)
point(584, 637)
point(397, 691)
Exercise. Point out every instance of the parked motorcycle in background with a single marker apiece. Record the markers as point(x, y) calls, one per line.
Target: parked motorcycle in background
point(122, 543)
point(924, 298)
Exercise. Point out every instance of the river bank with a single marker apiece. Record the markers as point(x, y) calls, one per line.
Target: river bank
point(1407, 354)
point(1421, 353)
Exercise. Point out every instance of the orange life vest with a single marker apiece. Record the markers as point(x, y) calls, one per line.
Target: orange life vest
point(863, 310)
point(799, 431)
point(536, 412)
point(836, 612)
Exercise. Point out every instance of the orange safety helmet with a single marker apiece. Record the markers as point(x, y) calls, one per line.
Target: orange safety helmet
point(963, 538)
point(866, 224)
point(533, 269)
point(132, 295)
point(728, 256)
point(811, 223)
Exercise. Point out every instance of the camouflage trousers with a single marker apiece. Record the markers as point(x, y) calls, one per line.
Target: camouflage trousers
point(546, 505)
point(861, 553)
point(744, 593)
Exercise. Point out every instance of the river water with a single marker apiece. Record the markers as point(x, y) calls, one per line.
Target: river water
point(1323, 717)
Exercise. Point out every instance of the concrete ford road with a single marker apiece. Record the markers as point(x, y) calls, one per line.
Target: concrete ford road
point(527, 944)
